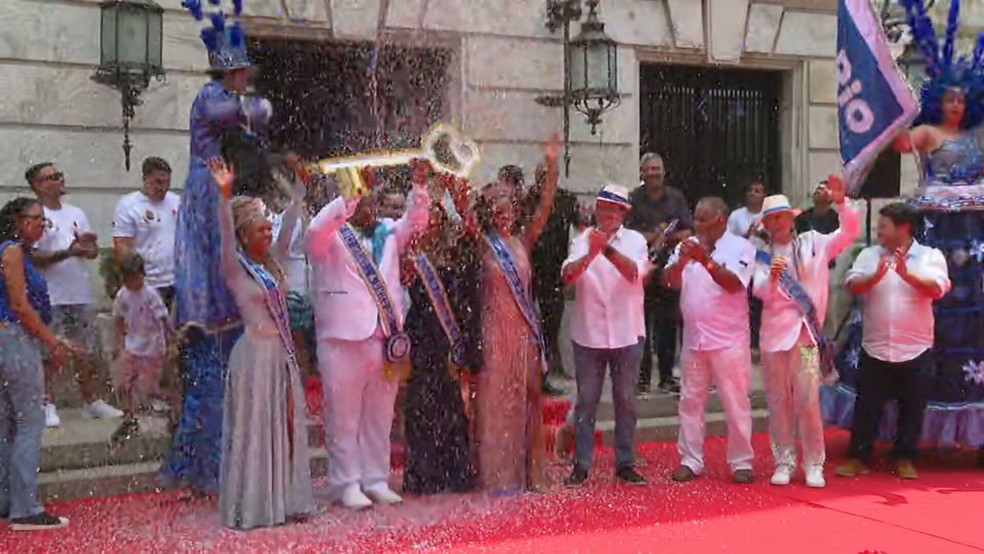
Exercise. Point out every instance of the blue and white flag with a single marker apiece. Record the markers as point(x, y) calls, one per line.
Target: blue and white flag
point(874, 101)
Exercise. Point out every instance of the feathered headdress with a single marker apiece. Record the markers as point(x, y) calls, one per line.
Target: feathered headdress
point(945, 70)
point(226, 42)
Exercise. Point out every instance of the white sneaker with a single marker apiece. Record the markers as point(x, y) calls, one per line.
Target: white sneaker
point(382, 494)
point(781, 476)
point(51, 418)
point(353, 499)
point(101, 410)
point(814, 478)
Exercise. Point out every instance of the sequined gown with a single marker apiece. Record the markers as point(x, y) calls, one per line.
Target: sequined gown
point(204, 307)
point(266, 471)
point(511, 448)
point(439, 453)
point(951, 199)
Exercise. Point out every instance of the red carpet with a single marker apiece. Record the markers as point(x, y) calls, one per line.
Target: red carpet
point(939, 513)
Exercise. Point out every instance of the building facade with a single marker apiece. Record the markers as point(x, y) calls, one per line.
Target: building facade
point(500, 58)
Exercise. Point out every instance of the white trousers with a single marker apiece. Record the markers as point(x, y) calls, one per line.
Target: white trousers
point(792, 384)
point(730, 369)
point(358, 412)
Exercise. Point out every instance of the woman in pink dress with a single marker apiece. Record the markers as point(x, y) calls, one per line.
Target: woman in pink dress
point(511, 448)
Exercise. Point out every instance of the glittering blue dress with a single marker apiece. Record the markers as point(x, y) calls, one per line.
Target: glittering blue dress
point(951, 199)
point(204, 307)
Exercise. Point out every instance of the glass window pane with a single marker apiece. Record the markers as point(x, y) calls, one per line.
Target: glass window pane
point(578, 77)
point(155, 39)
point(133, 37)
point(107, 41)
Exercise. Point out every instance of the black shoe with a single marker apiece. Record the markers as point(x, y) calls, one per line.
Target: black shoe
point(577, 478)
point(630, 476)
point(642, 389)
point(551, 390)
point(670, 386)
point(38, 522)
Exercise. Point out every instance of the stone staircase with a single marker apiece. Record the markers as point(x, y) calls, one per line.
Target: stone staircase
point(78, 460)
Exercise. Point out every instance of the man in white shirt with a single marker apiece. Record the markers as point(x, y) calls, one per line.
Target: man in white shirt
point(792, 277)
point(712, 269)
point(607, 264)
point(899, 279)
point(61, 254)
point(746, 221)
point(144, 223)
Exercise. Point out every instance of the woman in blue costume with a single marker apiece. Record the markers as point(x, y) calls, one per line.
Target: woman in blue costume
point(205, 309)
point(951, 199)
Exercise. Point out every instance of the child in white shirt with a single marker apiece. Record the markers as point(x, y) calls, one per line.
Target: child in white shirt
point(142, 327)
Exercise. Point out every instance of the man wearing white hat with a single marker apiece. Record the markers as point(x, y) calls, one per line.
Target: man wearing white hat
point(607, 264)
point(792, 277)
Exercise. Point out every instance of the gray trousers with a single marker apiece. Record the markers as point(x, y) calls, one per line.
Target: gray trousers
point(21, 421)
point(590, 365)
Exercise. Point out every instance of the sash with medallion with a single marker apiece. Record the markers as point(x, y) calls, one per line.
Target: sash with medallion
point(277, 306)
point(794, 290)
point(397, 341)
point(442, 306)
point(521, 294)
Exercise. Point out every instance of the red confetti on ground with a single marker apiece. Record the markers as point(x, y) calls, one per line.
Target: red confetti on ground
point(938, 513)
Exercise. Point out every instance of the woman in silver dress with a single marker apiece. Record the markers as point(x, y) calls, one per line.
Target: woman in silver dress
point(265, 476)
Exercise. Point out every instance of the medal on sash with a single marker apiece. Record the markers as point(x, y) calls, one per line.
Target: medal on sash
point(521, 293)
point(397, 347)
point(795, 291)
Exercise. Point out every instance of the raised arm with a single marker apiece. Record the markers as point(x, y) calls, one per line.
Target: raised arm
point(850, 222)
point(534, 229)
point(417, 215)
point(288, 221)
point(328, 221)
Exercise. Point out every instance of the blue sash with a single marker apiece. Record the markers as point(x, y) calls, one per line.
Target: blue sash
point(798, 294)
point(520, 293)
point(377, 287)
point(442, 305)
point(277, 305)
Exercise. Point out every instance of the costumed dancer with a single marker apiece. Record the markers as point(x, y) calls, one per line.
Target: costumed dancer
point(362, 346)
point(205, 309)
point(510, 439)
point(950, 200)
point(266, 472)
point(792, 278)
point(444, 325)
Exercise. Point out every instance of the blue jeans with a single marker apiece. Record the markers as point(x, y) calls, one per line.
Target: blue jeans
point(590, 365)
point(21, 421)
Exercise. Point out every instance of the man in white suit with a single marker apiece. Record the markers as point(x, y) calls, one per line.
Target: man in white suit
point(359, 313)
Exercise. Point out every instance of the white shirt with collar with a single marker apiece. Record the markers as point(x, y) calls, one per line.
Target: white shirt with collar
point(608, 308)
point(898, 320)
point(714, 318)
point(782, 318)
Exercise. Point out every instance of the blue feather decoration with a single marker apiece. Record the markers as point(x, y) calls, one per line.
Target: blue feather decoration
point(923, 35)
point(218, 20)
point(975, 66)
point(236, 37)
point(211, 38)
point(238, 6)
point(951, 33)
point(195, 7)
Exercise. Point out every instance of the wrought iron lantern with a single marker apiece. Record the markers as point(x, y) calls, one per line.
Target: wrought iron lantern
point(131, 44)
point(590, 66)
point(593, 69)
point(913, 63)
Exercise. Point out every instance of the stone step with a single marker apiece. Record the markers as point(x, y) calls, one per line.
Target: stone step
point(130, 478)
point(667, 428)
point(665, 405)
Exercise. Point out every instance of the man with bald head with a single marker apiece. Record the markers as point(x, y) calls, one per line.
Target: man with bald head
point(712, 270)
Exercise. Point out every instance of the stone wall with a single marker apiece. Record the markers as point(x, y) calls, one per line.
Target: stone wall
point(504, 59)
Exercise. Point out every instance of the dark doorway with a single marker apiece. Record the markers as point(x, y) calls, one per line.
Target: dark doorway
point(326, 103)
point(717, 129)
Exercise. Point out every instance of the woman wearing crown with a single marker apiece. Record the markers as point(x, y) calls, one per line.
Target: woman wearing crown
point(950, 198)
point(205, 309)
